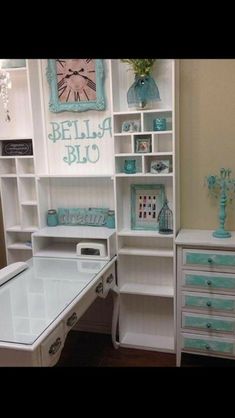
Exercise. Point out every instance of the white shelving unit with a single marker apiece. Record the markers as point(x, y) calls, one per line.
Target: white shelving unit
point(146, 259)
point(18, 172)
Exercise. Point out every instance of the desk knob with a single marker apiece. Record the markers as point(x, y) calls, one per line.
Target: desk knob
point(55, 347)
point(110, 278)
point(208, 303)
point(72, 320)
point(99, 288)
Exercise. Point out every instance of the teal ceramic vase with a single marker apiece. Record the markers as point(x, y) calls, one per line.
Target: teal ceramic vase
point(143, 92)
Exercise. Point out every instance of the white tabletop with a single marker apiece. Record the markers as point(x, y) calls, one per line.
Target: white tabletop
point(33, 299)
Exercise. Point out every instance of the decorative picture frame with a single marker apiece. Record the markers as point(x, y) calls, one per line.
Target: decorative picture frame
point(143, 144)
point(160, 166)
point(146, 203)
point(131, 125)
point(76, 85)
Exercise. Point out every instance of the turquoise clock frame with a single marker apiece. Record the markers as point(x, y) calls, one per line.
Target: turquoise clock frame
point(56, 106)
point(148, 199)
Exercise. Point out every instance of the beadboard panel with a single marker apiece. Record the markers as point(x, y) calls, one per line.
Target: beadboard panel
point(58, 150)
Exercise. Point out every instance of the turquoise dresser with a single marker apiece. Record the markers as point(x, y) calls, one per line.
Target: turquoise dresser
point(205, 294)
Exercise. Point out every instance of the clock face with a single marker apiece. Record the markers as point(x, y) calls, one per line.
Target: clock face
point(76, 80)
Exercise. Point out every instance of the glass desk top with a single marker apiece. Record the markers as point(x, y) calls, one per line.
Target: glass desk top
point(33, 299)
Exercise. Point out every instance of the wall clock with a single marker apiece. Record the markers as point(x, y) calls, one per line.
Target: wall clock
point(76, 84)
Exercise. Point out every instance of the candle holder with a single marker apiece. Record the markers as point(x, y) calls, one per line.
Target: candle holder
point(221, 186)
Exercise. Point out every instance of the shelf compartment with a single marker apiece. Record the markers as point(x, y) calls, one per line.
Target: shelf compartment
point(123, 78)
point(18, 240)
point(146, 322)
point(134, 118)
point(13, 256)
point(7, 166)
point(25, 165)
point(146, 252)
point(127, 232)
point(29, 217)
point(123, 191)
point(10, 203)
point(150, 270)
point(123, 144)
point(27, 189)
point(162, 142)
point(159, 160)
point(120, 161)
point(147, 290)
point(150, 116)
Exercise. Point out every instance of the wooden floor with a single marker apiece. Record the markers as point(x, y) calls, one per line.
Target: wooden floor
point(84, 349)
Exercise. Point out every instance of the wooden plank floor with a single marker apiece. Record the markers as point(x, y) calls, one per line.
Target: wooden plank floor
point(83, 349)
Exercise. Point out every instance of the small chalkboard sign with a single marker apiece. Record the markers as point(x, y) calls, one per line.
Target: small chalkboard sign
point(17, 147)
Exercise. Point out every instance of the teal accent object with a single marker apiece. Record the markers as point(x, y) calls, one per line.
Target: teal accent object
point(212, 304)
point(210, 259)
point(110, 222)
point(222, 186)
point(68, 78)
point(130, 166)
point(216, 282)
point(159, 124)
point(208, 345)
point(52, 217)
point(83, 216)
point(208, 323)
point(143, 91)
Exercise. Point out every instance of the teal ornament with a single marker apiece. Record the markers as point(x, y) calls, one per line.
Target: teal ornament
point(143, 91)
point(223, 187)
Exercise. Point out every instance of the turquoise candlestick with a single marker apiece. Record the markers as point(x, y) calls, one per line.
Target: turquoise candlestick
point(222, 186)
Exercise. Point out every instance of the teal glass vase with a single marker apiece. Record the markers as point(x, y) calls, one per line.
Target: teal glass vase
point(143, 92)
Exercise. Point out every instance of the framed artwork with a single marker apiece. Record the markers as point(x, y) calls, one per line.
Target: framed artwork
point(143, 144)
point(160, 166)
point(146, 203)
point(76, 85)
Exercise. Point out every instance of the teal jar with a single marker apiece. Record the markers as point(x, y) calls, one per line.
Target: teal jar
point(52, 217)
point(143, 92)
point(110, 223)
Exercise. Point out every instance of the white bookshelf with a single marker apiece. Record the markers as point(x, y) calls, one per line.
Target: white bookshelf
point(146, 262)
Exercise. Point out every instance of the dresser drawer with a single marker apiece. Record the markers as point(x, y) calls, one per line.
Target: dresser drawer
point(211, 259)
point(207, 345)
point(208, 302)
point(208, 281)
point(208, 323)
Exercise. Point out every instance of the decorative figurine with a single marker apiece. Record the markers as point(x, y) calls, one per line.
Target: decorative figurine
point(222, 186)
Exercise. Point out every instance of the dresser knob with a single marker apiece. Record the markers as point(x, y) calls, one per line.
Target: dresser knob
point(209, 282)
point(208, 325)
point(210, 260)
point(208, 346)
point(208, 303)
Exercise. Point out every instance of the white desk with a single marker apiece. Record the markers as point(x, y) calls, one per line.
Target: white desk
point(40, 305)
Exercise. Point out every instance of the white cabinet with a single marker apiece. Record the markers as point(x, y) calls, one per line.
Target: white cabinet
point(146, 258)
point(206, 294)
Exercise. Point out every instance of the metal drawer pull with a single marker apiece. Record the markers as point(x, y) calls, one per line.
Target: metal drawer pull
point(210, 260)
point(55, 346)
point(209, 282)
point(208, 304)
point(110, 278)
point(99, 288)
point(208, 346)
point(72, 320)
point(208, 325)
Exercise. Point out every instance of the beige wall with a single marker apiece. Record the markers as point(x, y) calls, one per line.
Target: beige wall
point(2, 242)
point(207, 136)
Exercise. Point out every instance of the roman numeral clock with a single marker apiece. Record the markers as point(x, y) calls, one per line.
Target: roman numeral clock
point(76, 84)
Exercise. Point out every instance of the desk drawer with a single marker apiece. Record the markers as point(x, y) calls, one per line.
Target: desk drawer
point(208, 281)
point(208, 323)
point(209, 258)
point(208, 302)
point(208, 345)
